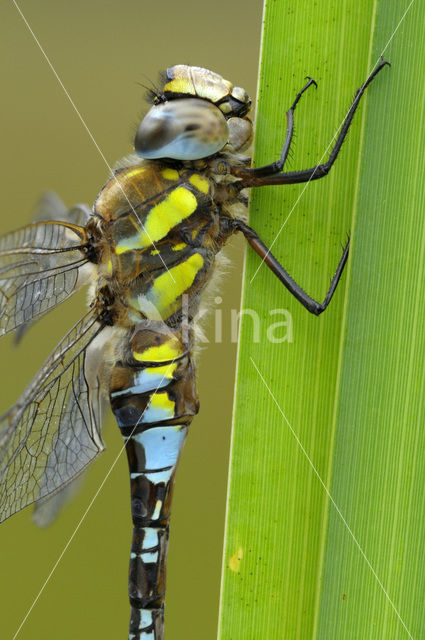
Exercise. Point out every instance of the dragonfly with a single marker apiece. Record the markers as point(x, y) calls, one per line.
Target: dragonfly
point(146, 250)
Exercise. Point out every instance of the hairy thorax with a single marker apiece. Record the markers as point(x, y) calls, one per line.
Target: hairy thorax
point(158, 228)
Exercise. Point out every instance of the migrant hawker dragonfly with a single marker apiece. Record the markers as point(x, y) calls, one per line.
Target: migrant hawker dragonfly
point(147, 250)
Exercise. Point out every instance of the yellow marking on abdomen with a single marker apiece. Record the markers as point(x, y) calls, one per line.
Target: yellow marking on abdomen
point(162, 401)
point(199, 182)
point(159, 408)
point(162, 353)
point(165, 370)
point(178, 206)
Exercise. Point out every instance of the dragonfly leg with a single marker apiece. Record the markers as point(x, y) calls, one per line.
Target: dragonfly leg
point(309, 303)
point(277, 166)
point(258, 177)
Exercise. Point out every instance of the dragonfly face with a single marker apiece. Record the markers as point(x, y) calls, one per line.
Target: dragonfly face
point(148, 249)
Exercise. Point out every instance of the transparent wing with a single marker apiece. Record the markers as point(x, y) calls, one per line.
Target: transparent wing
point(40, 266)
point(53, 432)
point(50, 207)
point(47, 509)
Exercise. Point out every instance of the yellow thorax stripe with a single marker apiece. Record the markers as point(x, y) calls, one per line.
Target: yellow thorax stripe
point(132, 172)
point(170, 174)
point(199, 182)
point(175, 208)
point(169, 286)
point(179, 246)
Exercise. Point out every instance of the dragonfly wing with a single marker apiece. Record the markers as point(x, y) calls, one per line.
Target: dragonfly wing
point(40, 266)
point(53, 432)
point(45, 511)
point(78, 214)
point(50, 207)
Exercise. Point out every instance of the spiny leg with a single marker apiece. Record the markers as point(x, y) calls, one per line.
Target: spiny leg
point(309, 303)
point(257, 178)
point(277, 166)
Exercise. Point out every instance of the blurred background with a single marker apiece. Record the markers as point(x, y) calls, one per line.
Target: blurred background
point(102, 51)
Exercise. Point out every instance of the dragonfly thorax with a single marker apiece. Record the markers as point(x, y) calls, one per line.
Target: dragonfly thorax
point(162, 228)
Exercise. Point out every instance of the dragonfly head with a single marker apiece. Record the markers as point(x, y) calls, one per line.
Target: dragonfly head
point(197, 115)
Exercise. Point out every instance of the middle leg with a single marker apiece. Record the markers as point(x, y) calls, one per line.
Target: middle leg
point(274, 265)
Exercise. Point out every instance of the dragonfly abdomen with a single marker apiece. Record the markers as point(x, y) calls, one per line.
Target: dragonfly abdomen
point(154, 399)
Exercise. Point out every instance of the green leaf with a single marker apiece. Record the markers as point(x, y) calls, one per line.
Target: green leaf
point(325, 527)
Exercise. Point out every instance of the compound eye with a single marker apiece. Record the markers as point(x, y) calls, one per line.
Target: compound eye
point(182, 129)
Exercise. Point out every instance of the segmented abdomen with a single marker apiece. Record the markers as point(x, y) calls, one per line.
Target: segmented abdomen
point(154, 399)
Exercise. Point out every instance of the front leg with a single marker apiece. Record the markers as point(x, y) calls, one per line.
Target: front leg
point(277, 166)
point(268, 258)
point(258, 177)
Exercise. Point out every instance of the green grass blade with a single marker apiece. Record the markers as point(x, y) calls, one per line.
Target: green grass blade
point(339, 404)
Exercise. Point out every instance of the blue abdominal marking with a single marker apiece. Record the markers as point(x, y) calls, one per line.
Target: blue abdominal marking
point(146, 380)
point(162, 445)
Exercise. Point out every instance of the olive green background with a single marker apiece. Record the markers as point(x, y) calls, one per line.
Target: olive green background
point(100, 50)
